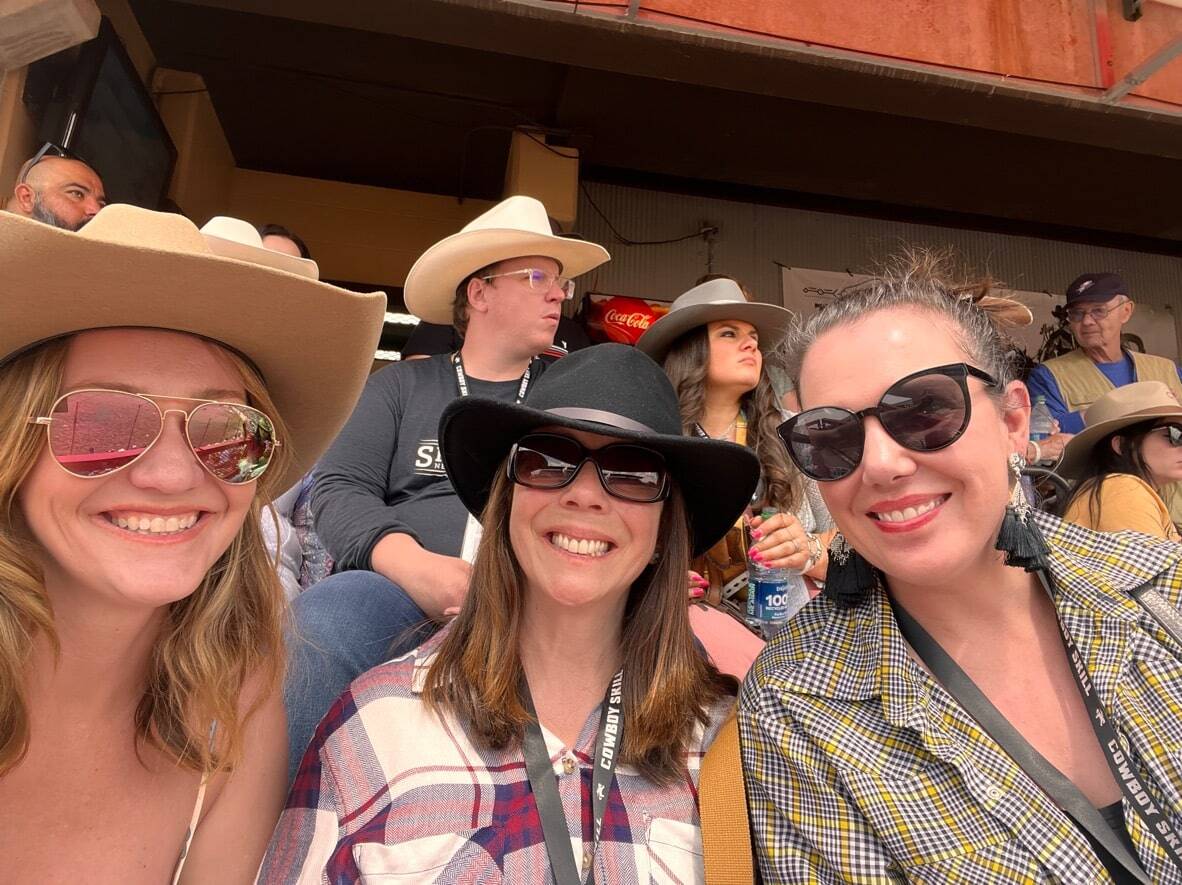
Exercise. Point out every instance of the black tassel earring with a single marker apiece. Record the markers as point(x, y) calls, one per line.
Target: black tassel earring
point(1019, 538)
point(849, 576)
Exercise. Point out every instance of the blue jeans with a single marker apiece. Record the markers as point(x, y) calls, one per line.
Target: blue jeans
point(343, 626)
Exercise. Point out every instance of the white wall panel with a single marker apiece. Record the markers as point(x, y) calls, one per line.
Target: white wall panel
point(753, 240)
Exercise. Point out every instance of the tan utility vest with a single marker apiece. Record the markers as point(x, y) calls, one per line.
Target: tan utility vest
point(1081, 384)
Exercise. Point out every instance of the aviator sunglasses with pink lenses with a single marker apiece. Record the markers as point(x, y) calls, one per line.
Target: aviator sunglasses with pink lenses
point(94, 433)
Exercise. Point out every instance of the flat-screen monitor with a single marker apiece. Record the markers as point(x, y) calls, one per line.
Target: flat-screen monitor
point(91, 100)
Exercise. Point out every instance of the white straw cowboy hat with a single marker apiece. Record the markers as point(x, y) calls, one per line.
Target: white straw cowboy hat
point(313, 343)
point(719, 299)
point(235, 238)
point(514, 228)
point(1121, 407)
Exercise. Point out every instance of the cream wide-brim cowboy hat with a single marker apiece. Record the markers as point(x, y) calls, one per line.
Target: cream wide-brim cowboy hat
point(720, 299)
point(514, 228)
point(130, 267)
point(235, 238)
point(1120, 407)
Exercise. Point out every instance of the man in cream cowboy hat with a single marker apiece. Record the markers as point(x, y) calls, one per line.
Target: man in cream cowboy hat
point(384, 507)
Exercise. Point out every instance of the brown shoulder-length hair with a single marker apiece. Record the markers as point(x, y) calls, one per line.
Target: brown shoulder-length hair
point(226, 633)
point(687, 364)
point(668, 684)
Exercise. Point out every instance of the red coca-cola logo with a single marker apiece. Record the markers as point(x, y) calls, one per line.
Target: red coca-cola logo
point(634, 320)
point(620, 318)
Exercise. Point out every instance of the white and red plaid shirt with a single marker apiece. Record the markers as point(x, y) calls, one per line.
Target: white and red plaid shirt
point(388, 787)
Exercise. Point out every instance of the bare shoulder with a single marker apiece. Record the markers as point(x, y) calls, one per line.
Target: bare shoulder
point(242, 806)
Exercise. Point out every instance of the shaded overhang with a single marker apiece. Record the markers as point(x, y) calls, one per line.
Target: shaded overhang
point(422, 95)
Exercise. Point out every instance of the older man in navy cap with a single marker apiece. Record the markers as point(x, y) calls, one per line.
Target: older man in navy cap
point(1098, 307)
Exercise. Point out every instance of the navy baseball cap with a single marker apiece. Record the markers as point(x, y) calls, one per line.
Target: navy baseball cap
point(1095, 287)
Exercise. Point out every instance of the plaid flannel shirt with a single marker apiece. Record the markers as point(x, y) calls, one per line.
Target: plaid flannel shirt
point(390, 791)
point(860, 767)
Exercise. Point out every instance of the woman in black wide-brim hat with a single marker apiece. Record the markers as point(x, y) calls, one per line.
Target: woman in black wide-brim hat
point(571, 662)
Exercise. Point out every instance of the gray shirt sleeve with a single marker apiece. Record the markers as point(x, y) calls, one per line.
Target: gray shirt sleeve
point(349, 496)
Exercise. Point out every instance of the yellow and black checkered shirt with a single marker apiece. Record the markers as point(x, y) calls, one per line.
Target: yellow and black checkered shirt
point(860, 767)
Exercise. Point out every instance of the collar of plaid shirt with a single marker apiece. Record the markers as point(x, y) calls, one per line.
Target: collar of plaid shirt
point(1081, 561)
point(1094, 573)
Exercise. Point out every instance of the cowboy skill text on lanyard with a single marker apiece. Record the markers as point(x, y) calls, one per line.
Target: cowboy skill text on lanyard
point(1061, 790)
point(472, 529)
point(462, 380)
point(608, 743)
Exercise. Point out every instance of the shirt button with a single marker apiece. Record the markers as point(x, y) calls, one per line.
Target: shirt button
point(568, 765)
point(586, 858)
point(993, 792)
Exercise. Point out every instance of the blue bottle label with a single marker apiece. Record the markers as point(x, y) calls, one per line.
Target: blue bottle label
point(767, 600)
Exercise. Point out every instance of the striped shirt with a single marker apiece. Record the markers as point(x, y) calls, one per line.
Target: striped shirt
point(860, 767)
point(390, 789)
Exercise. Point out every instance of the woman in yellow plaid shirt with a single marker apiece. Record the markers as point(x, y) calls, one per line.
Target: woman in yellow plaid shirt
point(984, 693)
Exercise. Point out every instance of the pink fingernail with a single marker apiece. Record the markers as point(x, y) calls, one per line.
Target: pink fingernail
point(757, 534)
point(697, 593)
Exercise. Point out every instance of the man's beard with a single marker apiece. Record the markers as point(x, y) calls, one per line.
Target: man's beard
point(45, 215)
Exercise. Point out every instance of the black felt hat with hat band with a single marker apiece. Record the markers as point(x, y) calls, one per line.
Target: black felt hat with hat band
point(614, 390)
point(1095, 287)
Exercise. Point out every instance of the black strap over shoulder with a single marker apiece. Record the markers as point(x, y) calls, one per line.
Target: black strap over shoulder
point(1052, 781)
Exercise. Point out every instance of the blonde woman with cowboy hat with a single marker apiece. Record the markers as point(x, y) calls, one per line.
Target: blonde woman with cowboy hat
point(712, 344)
point(149, 407)
point(1130, 447)
point(554, 731)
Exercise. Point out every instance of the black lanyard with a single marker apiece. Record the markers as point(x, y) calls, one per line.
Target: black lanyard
point(608, 743)
point(462, 380)
point(1052, 781)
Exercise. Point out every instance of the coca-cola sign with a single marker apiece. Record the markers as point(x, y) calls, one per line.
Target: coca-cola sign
point(620, 318)
point(634, 320)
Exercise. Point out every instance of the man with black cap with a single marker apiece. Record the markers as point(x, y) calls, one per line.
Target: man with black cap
point(1098, 307)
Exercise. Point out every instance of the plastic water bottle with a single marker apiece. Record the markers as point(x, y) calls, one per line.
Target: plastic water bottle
point(773, 594)
point(1042, 425)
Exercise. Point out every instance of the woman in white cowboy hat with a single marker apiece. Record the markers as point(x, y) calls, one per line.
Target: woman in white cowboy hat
point(712, 343)
point(1131, 446)
point(150, 404)
point(567, 702)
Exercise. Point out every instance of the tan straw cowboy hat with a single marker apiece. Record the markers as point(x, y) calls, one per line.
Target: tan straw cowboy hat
point(1131, 404)
point(514, 228)
point(718, 299)
point(313, 343)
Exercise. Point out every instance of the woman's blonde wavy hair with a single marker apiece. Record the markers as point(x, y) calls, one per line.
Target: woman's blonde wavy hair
point(227, 632)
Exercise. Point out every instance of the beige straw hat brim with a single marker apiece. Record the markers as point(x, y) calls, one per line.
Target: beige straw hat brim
point(1122, 407)
point(130, 267)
